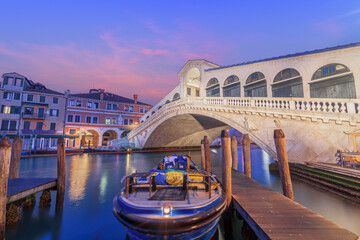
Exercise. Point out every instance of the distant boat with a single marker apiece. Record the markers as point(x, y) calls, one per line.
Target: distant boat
point(175, 200)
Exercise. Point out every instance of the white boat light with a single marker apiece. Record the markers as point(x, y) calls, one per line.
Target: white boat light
point(166, 210)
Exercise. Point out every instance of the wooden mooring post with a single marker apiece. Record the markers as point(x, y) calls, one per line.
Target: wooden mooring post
point(60, 173)
point(207, 155)
point(234, 153)
point(5, 155)
point(15, 157)
point(246, 155)
point(226, 181)
point(279, 138)
point(202, 155)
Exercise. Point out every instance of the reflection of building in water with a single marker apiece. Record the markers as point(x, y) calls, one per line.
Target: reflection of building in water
point(79, 173)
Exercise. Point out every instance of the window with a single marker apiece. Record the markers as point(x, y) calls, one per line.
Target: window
point(72, 131)
point(126, 121)
point(39, 125)
point(131, 122)
point(77, 118)
point(71, 103)
point(126, 107)
point(88, 119)
point(16, 96)
point(70, 118)
point(4, 125)
point(189, 91)
point(114, 107)
point(15, 109)
point(108, 120)
point(113, 121)
point(55, 100)
point(78, 103)
point(8, 95)
point(146, 110)
point(197, 93)
point(28, 111)
point(54, 112)
point(12, 126)
point(6, 81)
point(42, 98)
point(108, 106)
point(89, 105)
point(141, 109)
point(26, 125)
point(5, 109)
point(52, 126)
point(131, 108)
point(95, 119)
point(30, 98)
point(96, 105)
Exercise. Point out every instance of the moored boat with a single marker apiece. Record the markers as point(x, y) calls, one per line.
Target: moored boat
point(175, 200)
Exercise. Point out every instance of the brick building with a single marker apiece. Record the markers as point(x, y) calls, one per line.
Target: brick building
point(98, 117)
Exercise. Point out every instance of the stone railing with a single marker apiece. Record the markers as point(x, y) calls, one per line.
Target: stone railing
point(336, 109)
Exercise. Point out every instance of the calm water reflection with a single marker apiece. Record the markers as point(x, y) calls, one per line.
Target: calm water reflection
point(93, 180)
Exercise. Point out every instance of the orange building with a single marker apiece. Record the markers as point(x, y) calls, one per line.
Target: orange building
point(98, 117)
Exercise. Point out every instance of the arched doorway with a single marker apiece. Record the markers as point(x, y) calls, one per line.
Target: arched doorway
point(92, 136)
point(192, 83)
point(108, 136)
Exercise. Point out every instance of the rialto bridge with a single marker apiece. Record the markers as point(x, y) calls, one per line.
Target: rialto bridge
point(312, 96)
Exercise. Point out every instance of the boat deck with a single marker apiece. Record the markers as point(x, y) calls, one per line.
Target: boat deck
point(140, 198)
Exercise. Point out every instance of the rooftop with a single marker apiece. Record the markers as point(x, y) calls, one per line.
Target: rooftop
point(95, 94)
point(291, 55)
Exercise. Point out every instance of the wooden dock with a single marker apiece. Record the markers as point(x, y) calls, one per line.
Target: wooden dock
point(20, 188)
point(274, 216)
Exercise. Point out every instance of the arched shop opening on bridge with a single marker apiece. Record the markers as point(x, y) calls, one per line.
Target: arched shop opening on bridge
point(213, 88)
point(287, 83)
point(333, 81)
point(255, 85)
point(231, 87)
point(108, 136)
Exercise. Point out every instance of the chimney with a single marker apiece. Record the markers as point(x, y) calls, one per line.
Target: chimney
point(135, 98)
point(102, 94)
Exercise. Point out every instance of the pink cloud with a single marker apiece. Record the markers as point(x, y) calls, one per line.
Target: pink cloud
point(150, 52)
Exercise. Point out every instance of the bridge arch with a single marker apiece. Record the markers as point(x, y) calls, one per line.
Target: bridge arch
point(333, 80)
point(255, 85)
point(173, 129)
point(288, 83)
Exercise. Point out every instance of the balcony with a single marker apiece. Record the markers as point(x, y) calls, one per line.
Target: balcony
point(33, 116)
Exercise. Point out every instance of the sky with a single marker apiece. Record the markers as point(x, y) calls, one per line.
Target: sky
point(138, 47)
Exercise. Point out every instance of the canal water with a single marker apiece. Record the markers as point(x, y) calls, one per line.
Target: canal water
point(93, 180)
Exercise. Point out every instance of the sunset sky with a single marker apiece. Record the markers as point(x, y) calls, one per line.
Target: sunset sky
point(129, 47)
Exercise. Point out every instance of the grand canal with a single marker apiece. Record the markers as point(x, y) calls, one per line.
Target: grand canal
point(93, 180)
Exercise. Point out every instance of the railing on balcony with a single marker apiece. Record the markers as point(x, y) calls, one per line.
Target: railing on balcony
point(33, 115)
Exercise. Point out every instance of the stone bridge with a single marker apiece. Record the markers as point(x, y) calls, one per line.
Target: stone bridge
point(312, 96)
point(314, 129)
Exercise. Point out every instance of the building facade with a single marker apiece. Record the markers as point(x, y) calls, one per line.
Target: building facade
point(32, 111)
point(98, 117)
